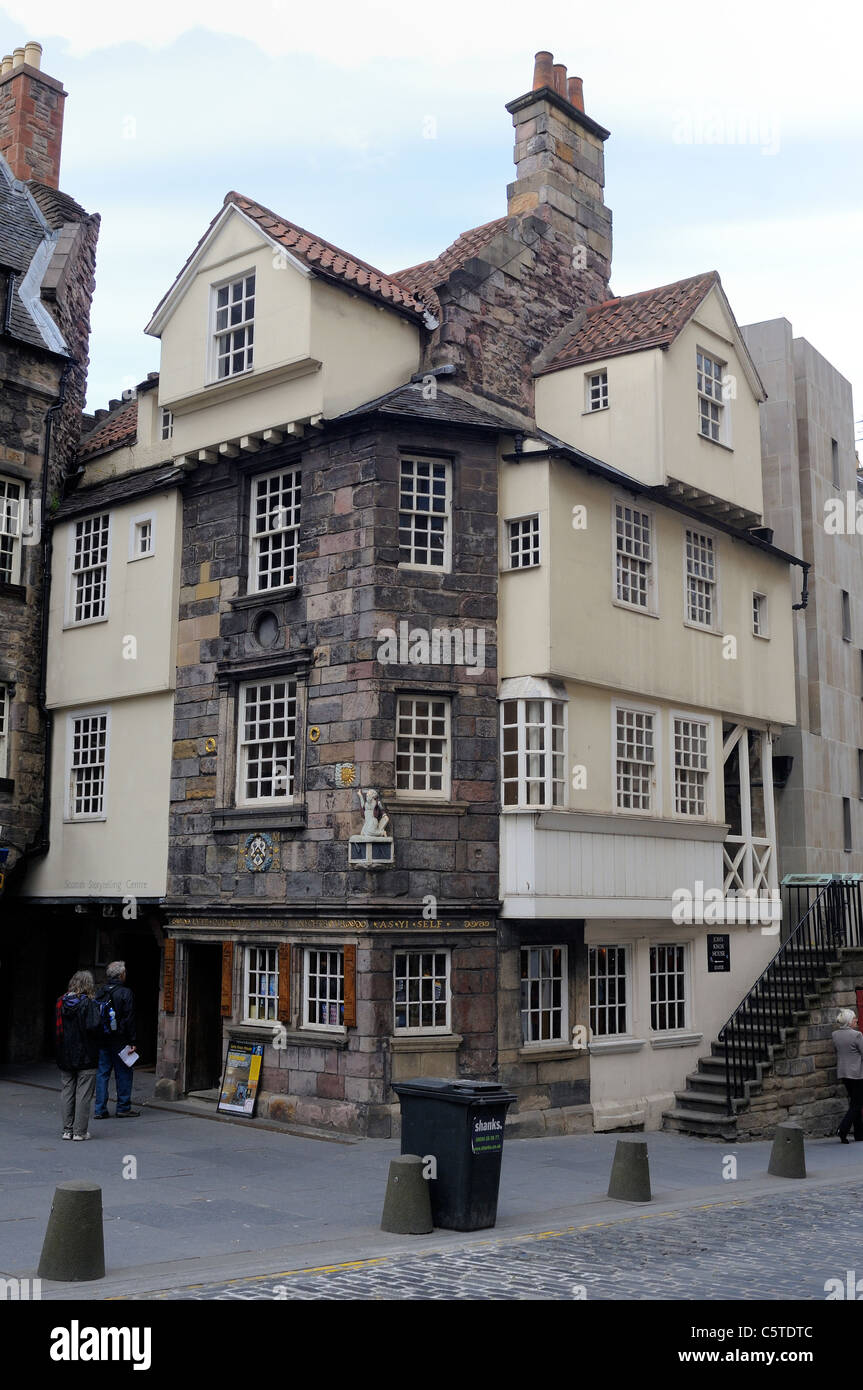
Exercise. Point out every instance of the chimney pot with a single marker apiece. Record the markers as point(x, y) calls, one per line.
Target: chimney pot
point(543, 70)
point(33, 53)
point(17, 57)
point(575, 89)
point(6, 65)
point(559, 83)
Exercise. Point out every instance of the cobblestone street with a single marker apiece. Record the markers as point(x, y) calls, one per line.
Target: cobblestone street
point(779, 1247)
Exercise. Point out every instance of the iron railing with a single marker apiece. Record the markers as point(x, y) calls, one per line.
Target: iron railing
point(831, 920)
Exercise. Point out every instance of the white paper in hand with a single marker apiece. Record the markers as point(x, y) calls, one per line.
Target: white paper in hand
point(129, 1056)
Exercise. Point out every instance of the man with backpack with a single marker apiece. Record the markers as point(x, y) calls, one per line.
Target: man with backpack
point(78, 1034)
point(117, 1005)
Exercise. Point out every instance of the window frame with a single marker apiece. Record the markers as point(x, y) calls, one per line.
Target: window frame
point(724, 431)
point(655, 808)
point(429, 1030)
point(563, 1039)
point(651, 609)
point(247, 972)
point(413, 793)
point(694, 717)
point(845, 611)
point(69, 815)
point(535, 538)
point(70, 620)
point(702, 534)
point(625, 947)
point(213, 336)
point(291, 798)
point(6, 479)
point(686, 974)
point(134, 523)
point(254, 537)
point(166, 423)
point(5, 728)
point(764, 634)
point(521, 750)
point(604, 398)
point(448, 463)
point(332, 1028)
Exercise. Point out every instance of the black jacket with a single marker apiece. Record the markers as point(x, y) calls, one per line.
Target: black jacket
point(79, 1032)
point(124, 1006)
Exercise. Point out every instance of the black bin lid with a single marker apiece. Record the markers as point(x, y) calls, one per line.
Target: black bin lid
point(456, 1091)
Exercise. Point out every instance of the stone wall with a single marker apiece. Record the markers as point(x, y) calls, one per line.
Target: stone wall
point(801, 1085)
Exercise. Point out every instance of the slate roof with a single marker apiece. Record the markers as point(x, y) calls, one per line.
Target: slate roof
point(57, 208)
point(22, 231)
point(424, 278)
point(119, 428)
point(322, 258)
point(651, 318)
point(412, 400)
point(120, 489)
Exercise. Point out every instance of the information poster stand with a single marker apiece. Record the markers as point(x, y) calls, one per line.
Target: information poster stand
point(242, 1074)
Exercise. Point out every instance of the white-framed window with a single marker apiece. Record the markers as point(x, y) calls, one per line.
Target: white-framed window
point(522, 536)
point(425, 507)
point(88, 587)
point(11, 497)
point(275, 530)
point(423, 754)
point(533, 750)
point(4, 730)
point(760, 616)
point(711, 403)
point(421, 991)
point(608, 973)
point(544, 1004)
point(261, 985)
point(88, 765)
point(634, 570)
point(142, 537)
point(636, 762)
point(596, 391)
point(266, 741)
point(166, 422)
point(691, 766)
point(700, 568)
point(233, 326)
point(668, 993)
point(323, 988)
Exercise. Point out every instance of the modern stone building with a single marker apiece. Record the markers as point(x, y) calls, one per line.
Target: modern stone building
point(47, 262)
point(811, 502)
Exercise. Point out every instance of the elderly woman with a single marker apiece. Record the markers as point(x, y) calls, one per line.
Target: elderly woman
point(79, 1029)
point(849, 1069)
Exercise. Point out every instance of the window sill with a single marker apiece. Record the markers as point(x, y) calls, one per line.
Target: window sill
point(633, 608)
point(717, 443)
point(610, 1046)
point(597, 410)
point(699, 627)
point(761, 636)
point(425, 1042)
point(547, 1052)
point(678, 1040)
point(314, 1037)
point(255, 818)
point(420, 807)
point(265, 596)
point(18, 591)
point(266, 1031)
point(88, 622)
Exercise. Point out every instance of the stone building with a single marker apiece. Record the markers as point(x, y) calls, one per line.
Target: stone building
point(811, 502)
point(47, 263)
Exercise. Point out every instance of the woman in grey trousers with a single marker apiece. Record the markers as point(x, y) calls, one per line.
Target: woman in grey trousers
point(849, 1069)
point(79, 1032)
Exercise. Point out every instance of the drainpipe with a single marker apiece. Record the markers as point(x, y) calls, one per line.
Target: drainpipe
point(804, 593)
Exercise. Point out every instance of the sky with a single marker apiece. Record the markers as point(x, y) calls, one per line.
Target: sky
point(735, 140)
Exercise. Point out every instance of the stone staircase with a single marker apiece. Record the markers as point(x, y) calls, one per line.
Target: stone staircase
point(774, 1059)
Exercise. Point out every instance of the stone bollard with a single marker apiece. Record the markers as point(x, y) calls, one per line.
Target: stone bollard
point(74, 1247)
point(630, 1172)
point(407, 1205)
point(787, 1157)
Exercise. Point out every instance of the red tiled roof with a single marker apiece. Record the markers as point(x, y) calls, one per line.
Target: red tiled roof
point(321, 257)
point(652, 318)
point(425, 277)
point(116, 430)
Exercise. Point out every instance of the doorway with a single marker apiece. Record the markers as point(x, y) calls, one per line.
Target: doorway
point(204, 1017)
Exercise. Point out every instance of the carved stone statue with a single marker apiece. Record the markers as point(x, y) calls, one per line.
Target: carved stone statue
point(375, 818)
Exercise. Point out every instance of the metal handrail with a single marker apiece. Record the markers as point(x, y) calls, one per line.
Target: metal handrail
point(832, 920)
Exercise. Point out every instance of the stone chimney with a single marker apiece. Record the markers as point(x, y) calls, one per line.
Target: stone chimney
point(31, 117)
point(560, 163)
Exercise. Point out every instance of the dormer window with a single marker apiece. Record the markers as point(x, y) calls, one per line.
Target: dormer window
point(711, 404)
point(234, 327)
point(596, 384)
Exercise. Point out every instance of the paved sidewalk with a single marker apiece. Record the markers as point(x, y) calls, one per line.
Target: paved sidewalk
point(214, 1201)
